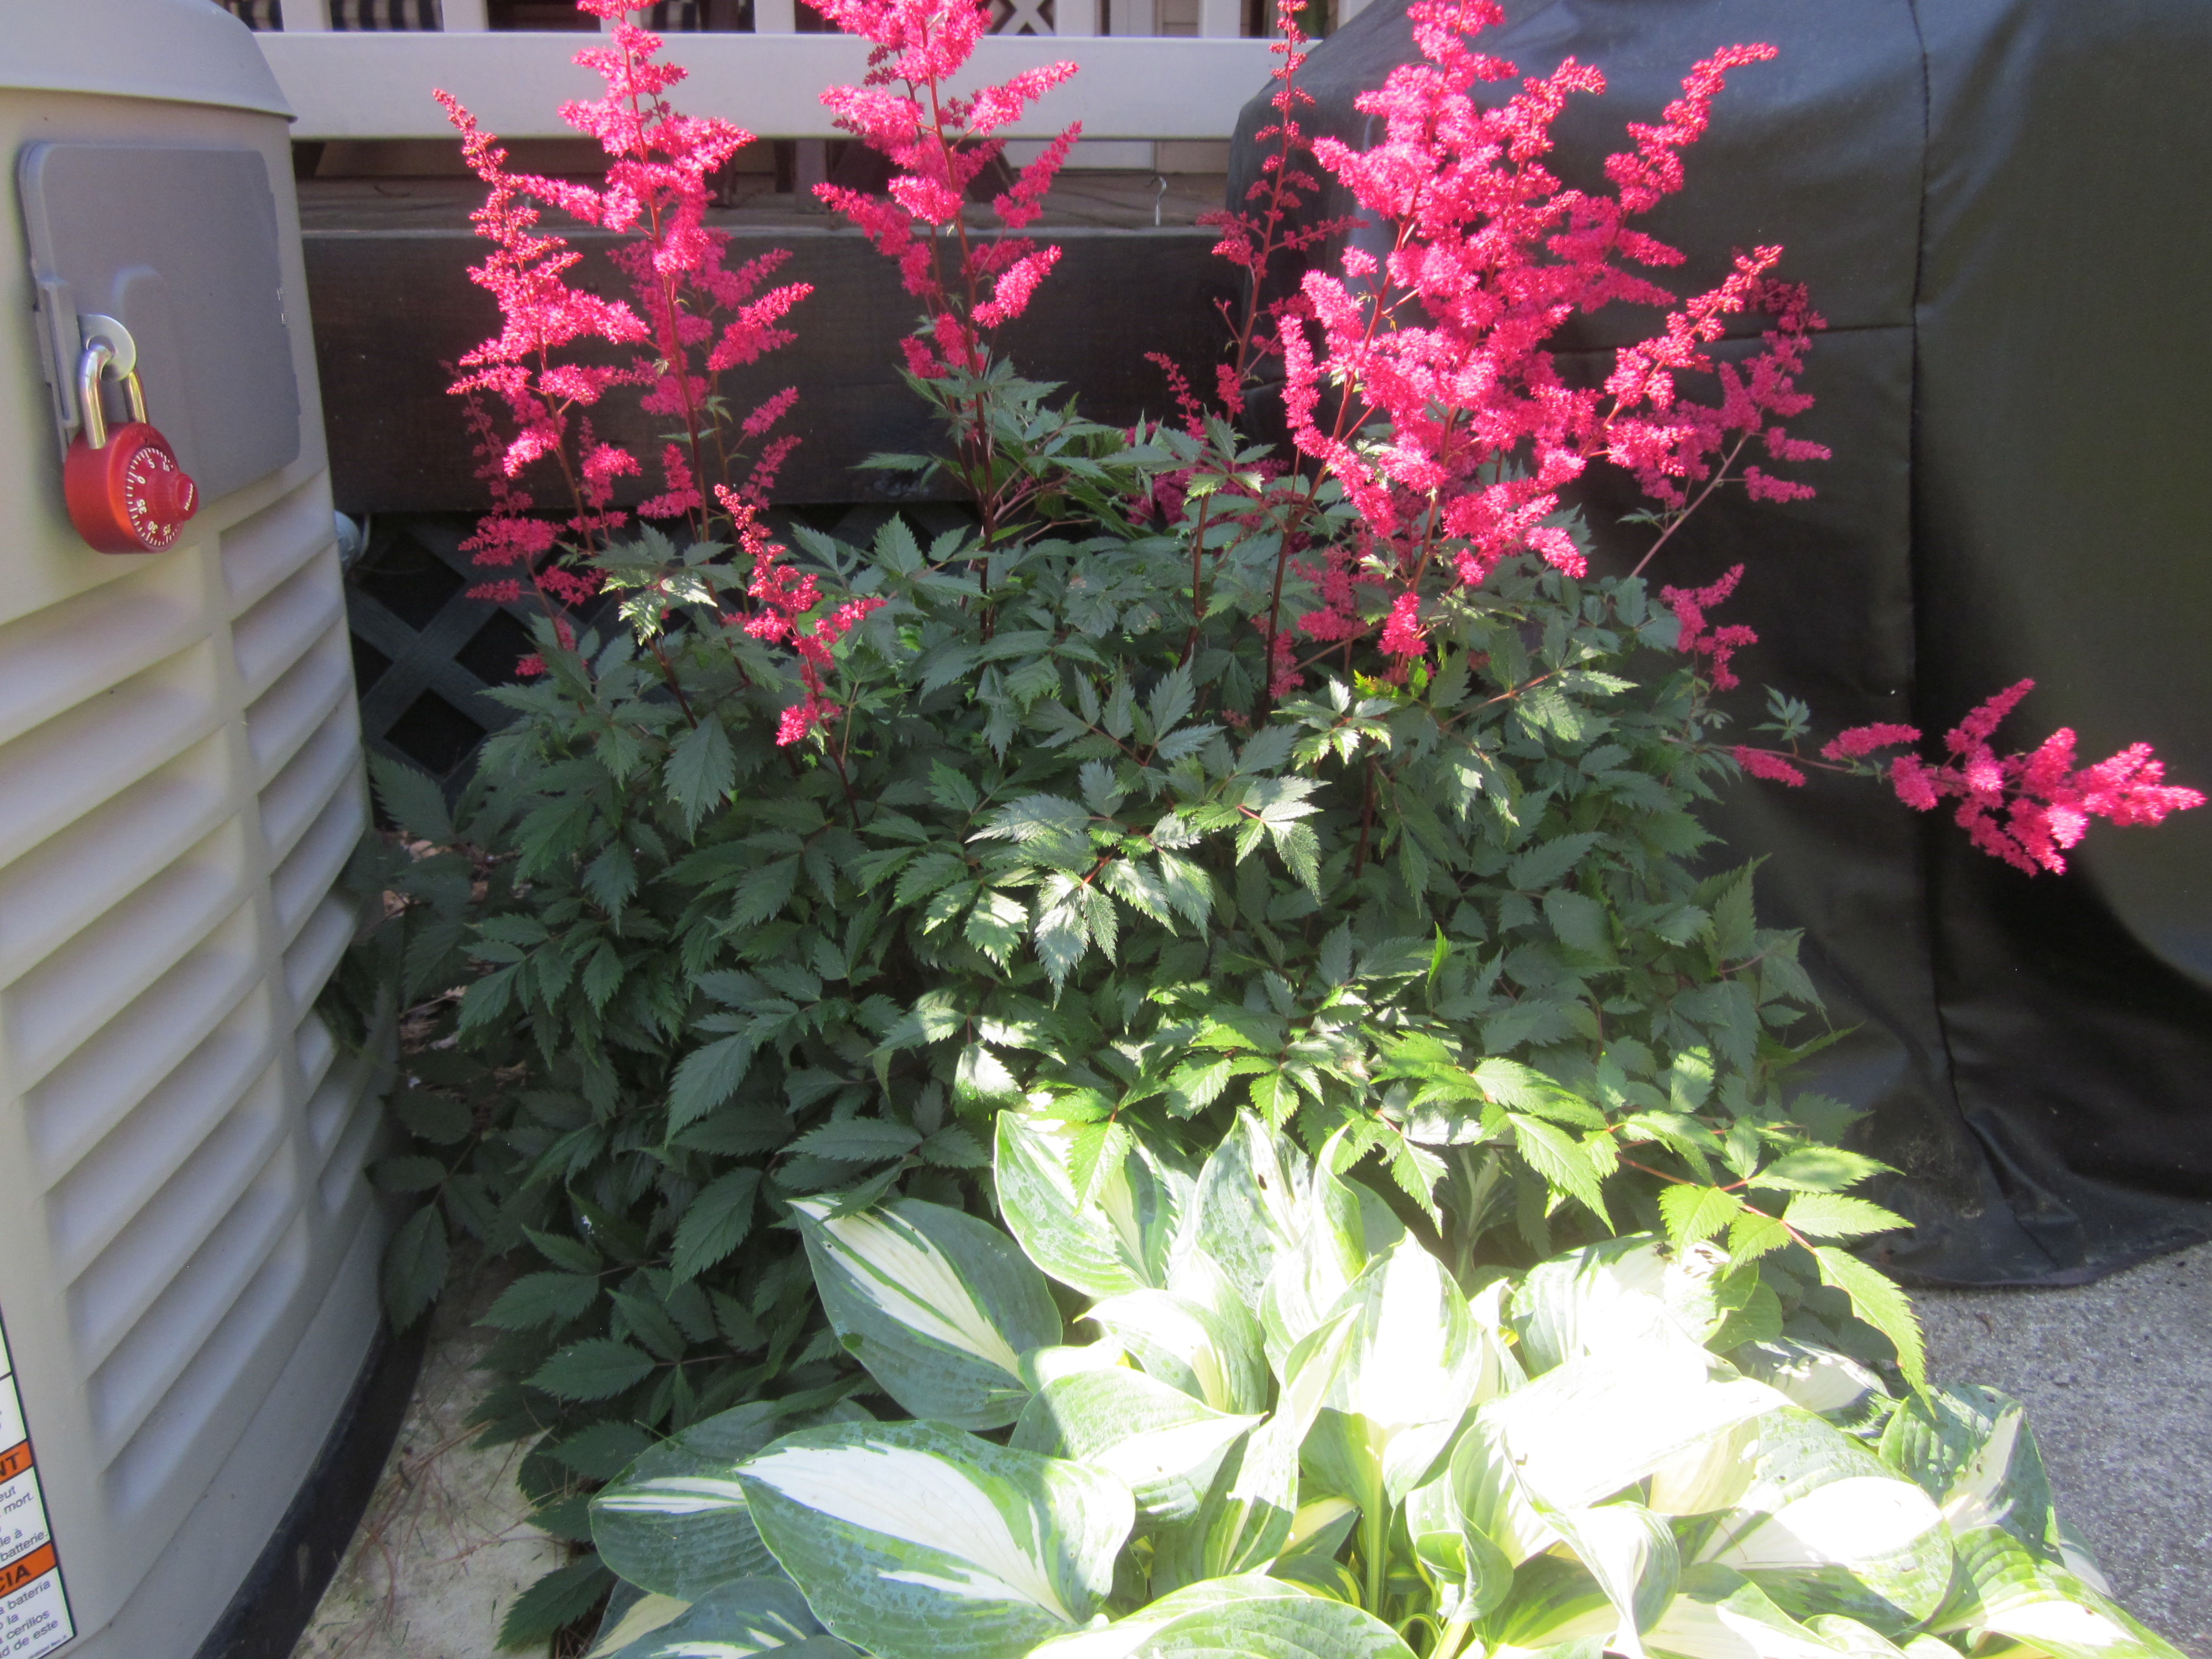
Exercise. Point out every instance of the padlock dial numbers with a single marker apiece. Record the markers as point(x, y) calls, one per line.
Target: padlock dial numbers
point(157, 496)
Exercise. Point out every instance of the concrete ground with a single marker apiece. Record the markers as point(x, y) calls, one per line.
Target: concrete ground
point(2117, 1378)
point(443, 1550)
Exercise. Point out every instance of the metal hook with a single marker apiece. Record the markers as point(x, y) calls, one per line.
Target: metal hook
point(1159, 195)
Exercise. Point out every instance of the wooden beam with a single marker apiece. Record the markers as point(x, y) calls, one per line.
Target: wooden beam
point(392, 310)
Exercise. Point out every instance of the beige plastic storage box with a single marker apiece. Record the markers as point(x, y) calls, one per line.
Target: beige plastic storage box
point(188, 1248)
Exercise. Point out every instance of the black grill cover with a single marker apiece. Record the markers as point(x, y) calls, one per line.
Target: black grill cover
point(2003, 211)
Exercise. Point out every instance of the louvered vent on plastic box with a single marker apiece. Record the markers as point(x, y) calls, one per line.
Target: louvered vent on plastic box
point(178, 802)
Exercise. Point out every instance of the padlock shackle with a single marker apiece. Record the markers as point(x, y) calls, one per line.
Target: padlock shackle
point(98, 357)
point(89, 366)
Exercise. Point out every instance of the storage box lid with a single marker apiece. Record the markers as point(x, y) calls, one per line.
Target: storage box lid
point(188, 51)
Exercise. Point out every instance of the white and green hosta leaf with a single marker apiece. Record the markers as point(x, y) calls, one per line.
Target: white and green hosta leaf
point(1208, 1349)
point(1719, 1614)
point(1250, 1616)
point(1488, 1497)
point(1825, 1527)
point(1582, 1432)
point(1249, 1205)
point(2005, 1594)
point(631, 1616)
point(1164, 1445)
point(1872, 1548)
point(2065, 1541)
point(1621, 1293)
point(675, 1522)
point(1115, 1237)
point(737, 1620)
point(1819, 1380)
point(1344, 1227)
point(1864, 1641)
point(1248, 1515)
point(1552, 1602)
point(902, 1533)
point(1413, 1363)
point(1043, 1367)
point(939, 1306)
point(1708, 1475)
point(1971, 1451)
point(1632, 1553)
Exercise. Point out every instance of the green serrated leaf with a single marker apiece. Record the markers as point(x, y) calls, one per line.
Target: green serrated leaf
point(1876, 1299)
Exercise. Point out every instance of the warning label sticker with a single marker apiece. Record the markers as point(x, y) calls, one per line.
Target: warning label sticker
point(34, 1616)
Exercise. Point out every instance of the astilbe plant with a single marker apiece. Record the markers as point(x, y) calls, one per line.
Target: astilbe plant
point(1194, 781)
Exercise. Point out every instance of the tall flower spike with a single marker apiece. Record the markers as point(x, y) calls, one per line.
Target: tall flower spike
point(1440, 338)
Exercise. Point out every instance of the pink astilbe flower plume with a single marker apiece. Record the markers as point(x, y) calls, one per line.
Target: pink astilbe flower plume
point(690, 320)
point(939, 144)
point(1717, 646)
point(2027, 808)
point(1418, 376)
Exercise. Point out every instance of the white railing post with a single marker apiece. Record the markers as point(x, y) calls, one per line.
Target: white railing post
point(464, 16)
point(1221, 19)
point(1134, 16)
point(775, 17)
point(1076, 19)
point(306, 17)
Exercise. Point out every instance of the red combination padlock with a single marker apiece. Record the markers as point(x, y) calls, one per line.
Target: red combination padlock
point(127, 494)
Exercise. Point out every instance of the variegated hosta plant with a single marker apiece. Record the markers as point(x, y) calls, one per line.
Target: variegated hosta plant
point(1294, 1435)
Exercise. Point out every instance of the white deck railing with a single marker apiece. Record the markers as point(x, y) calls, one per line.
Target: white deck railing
point(1148, 85)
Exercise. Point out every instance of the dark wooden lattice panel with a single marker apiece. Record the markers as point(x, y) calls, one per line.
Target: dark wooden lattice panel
point(425, 654)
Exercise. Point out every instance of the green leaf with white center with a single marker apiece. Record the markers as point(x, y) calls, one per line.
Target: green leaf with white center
point(1825, 1526)
point(1552, 1602)
point(1582, 1432)
point(1472, 1574)
point(1249, 1205)
point(1859, 1641)
point(1970, 1448)
point(1164, 1445)
point(732, 1621)
point(1632, 1554)
point(1211, 1354)
point(1719, 1614)
point(2006, 1594)
point(675, 1522)
point(1818, 1379)
point(1251, 1617)
point(1345, 1225)
point(938, 1306)
point(1708, 1475)
point(1248, 1515)
point(1872, 1548)
point(899, 1534)
point(1617, 1294)
point(1488, 1497)
point(1413, 1362)
point(1043, 1367)
point(1115, 1238)
point(631, 1616)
